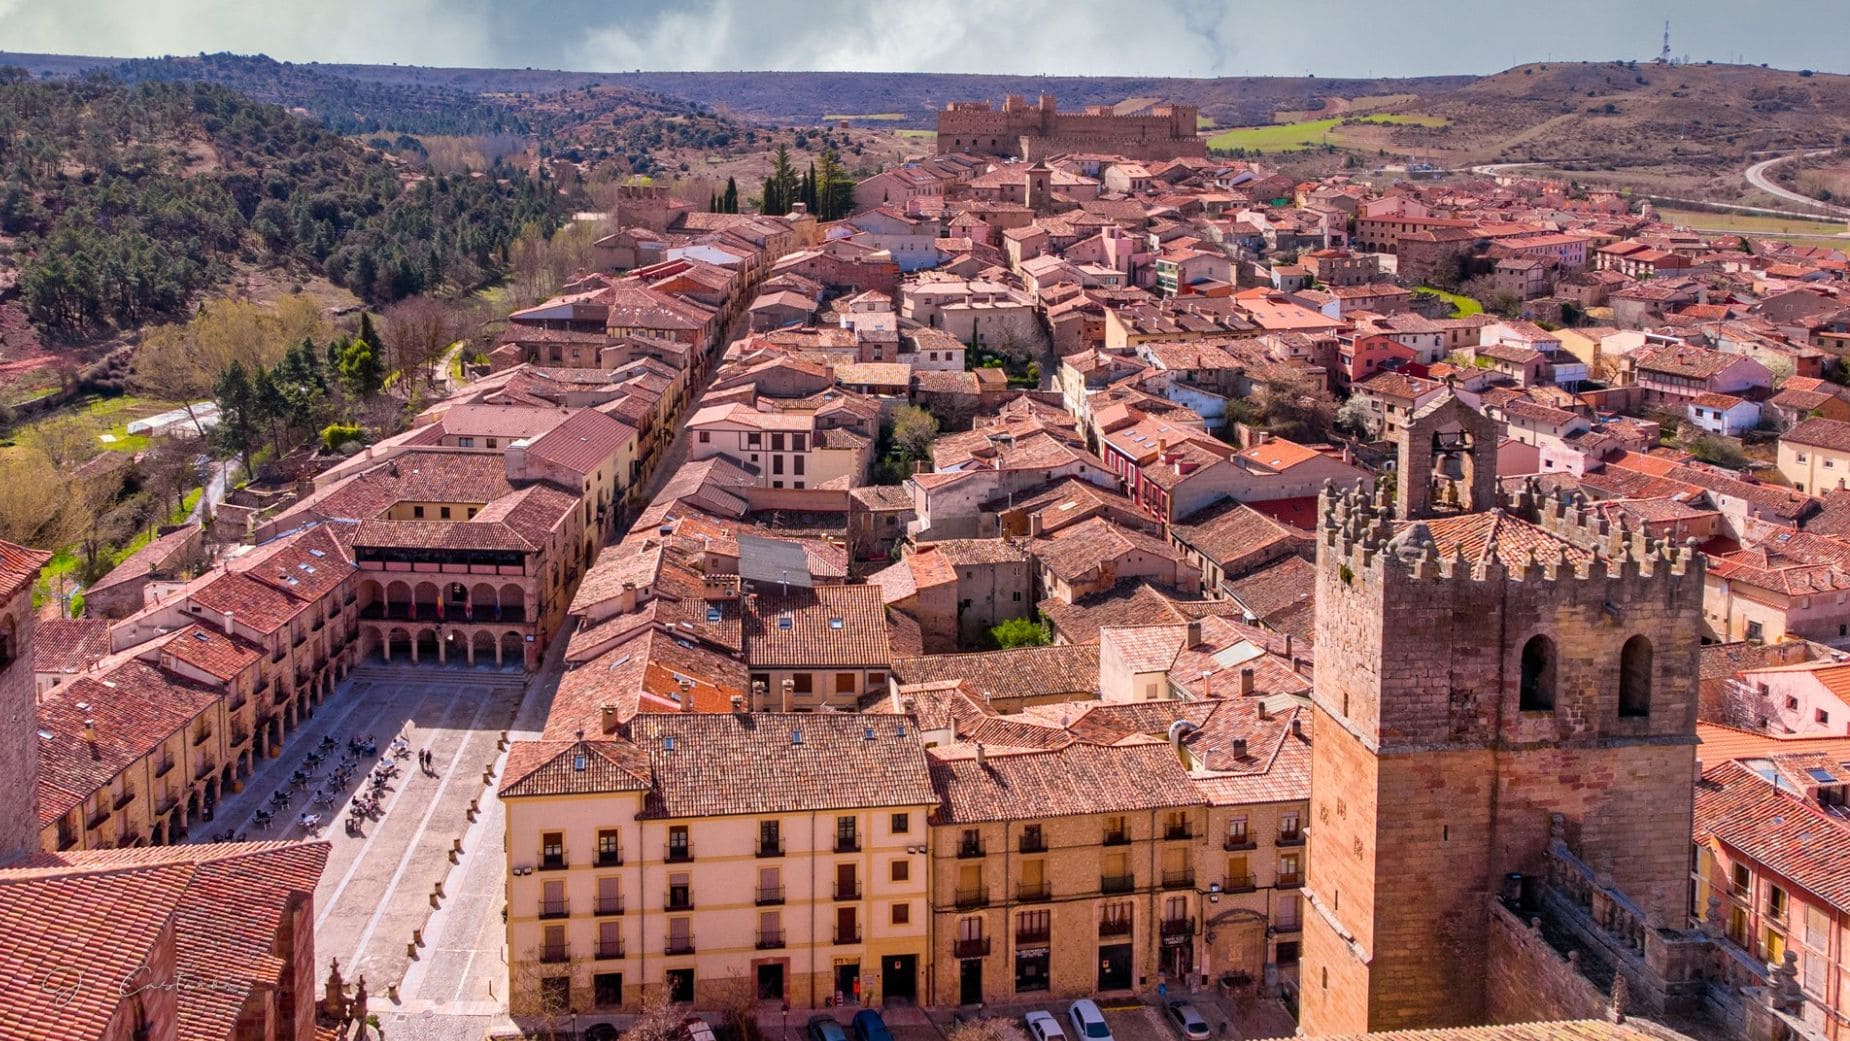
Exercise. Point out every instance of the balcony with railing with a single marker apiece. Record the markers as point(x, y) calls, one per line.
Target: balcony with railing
point(1178, 927)
point(1291, 837)
point(1239, 843)
point(1178, 832)
point(1239, 884)
point(124, 797)
point(977, 897)
point(770, 939)
point(969, 849)
point(1117, 883)
point(847, 890)
point(678, 945)
point(555, 908)
point(848, 843)
point(554, 954)
point(165, 804)
point(1116, 838)
point(847, 934)
point(609, 858)
point(1289, 879)
point(1033, 892)
point(1179, 879)
point(971, 947)
point(1288, 924)
point(678, 900)
point(161, 769)
point(239, 735)
point(1032, 934)
point(553, 862)
point(1034, 843)
point(1114, 927)
point(609, 949)
point(607, 905)
point(769, 848)
point(201, 736)
point(205, 767)
point(770, 896)
point(97, 817)
point(681, 853)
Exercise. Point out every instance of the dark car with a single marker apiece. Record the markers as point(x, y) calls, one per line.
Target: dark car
point(868, 1026)
point(824, 1028)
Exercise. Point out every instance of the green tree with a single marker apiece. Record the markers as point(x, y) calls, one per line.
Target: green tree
point(729, 203)
point(240, 421)
point(914, 430)
point(781, 186)
point(1020, 632)
point(834, 189)
point(361, 371)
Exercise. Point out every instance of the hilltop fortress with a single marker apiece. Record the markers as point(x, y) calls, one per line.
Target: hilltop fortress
point(1139, 129)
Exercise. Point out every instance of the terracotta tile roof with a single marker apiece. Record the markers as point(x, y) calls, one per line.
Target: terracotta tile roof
point(256, 604)
point(1142, 604)
point(101, 915)
point(775, 762)
point(148, 558)
point(647, 670)
point(1474, 534)
point(1561, 1030)
point(19, 567)
point(1229, 533)
point(1079, 550)
point(582, 443)
point(135, 706)
point(211, 651)
point(1721, 742)
point(573, 767)
point(1830, 434)
point(1060, 671)
point(1776, 828)
point(1276, 589)
point(828, 625)
point(69, 645)
point(1072, 780)
point(309, 566)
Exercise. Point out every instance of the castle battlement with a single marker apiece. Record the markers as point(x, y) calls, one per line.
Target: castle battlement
point(1566, 540)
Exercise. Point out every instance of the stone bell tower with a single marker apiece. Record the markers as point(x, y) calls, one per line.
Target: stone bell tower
point(1483, 663)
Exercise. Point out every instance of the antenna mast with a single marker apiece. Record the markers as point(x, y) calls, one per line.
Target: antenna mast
point(1664, 55)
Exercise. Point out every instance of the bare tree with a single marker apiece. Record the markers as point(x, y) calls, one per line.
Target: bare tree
point(418, 331)
point(68, 439)
point(182, 362)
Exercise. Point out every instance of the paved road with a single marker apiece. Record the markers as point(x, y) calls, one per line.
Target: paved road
point(214, 492)
point(1757, 176)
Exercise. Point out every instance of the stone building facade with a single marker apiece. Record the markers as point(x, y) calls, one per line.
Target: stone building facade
point(1477, 673)
point(19, 754)
point(1036, 131)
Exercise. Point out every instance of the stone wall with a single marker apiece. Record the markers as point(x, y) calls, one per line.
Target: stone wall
point(19, 752)
point(1527, 980)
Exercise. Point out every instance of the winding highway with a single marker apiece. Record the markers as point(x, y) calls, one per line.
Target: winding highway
point(1757, 176)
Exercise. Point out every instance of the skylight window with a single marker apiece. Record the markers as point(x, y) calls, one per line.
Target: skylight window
point(784, 623)
point(712, 613)
point(835, 623)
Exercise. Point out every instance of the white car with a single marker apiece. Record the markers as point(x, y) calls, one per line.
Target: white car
point(1088, 1021)
point(1043, 1027)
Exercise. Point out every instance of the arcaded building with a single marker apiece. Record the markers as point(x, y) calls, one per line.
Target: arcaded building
point(1033, 132)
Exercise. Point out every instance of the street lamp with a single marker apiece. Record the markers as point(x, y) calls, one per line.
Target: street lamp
point(1214, 892)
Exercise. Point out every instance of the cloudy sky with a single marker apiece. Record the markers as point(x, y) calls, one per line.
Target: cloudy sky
point(1057, 37)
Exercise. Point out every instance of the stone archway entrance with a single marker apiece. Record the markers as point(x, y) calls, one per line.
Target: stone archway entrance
point(1234, 943)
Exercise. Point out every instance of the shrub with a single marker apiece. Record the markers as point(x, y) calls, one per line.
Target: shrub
point(334, 435)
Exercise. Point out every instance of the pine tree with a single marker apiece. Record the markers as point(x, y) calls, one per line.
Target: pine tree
point(732, 196)
point(239, 422)
point(784, 178)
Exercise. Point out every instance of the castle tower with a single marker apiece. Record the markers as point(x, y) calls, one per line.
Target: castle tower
point(1477, 671)
point(1038, 191)
point(19, 747)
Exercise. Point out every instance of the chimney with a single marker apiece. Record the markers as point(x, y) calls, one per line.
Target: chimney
point(738, 703)
point(228, 615)
point(687, 695)
point(1034, 525)
point(759, 694)
point(609, 718)
point(982, 757)
point(1193, 633)
point(1264, 713)
point(1297, 728)
point(1246, 683)
point(1239, 748)
point(1287, 645)
point(789, 688)
point(89, 731)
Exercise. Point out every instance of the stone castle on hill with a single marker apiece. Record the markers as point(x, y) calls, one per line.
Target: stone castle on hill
point(1137, 129)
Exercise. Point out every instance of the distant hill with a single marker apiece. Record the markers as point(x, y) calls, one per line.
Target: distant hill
point(1632, 114)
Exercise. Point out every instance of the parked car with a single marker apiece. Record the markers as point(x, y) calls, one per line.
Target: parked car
point(1088, 1021)
point(1043, 1027)
point(824, 1028)
point(1188, 1021)
point(868, 1026)
point(697, 1029)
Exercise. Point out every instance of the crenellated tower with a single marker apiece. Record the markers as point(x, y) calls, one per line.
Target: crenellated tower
point(1484, 659)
